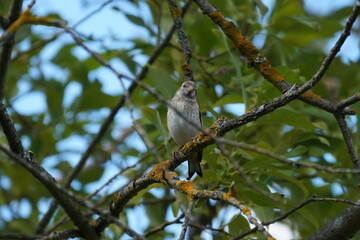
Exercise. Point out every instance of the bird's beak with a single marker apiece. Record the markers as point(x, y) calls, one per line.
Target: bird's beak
point(190, 90)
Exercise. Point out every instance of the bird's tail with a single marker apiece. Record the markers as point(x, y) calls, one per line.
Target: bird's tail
point(194, 165)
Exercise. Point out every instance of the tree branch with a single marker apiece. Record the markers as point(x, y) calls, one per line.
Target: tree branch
point(9, 130)
point(296, 208)
point(176, 15)
point(162, 226)
point(349, 101)
point(348, 142)
point(261, 63)
point(286, 160)
point(5, 55)
point(187, 219)
point(341, 228)
point(67, 201)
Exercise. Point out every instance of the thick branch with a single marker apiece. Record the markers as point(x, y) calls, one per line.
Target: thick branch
point(9, 130)
point(5, 55)
point(67, 201)
point(343, 227)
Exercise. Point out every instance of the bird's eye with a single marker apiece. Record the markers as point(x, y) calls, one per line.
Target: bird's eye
point(184, 86)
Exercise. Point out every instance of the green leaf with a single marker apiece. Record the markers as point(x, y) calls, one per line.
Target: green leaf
point(261, 200)
point(228, 99)
point(156, 212)
point(138, 197)
point(239, 76)
point(175, 208)
point(324, 141)
point(154, 117)
point(259, 162)
point(290, 179)
point(238, 224)
point(297, 151)
point(312, 22)
point(90, 174)
point(92, 98)
point(290, 75)
point(289, 117)
point(262, 7)
point(162, 81)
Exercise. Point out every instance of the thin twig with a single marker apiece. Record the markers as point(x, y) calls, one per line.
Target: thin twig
point(176, 15)
point(163, 226)
point(348, 142)
point(148, 143)
point(349, 101)
point(288, 161)
point(246, 178)
point(186, 222)
point(294, 209)
point(334, 50)
point(112, 179)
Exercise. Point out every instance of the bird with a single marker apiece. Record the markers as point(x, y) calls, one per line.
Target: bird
point(180, 130)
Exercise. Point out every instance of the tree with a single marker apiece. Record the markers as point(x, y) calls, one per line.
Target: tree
point(289, 157)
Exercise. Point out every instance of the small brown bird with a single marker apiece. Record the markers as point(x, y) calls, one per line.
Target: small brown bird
point(181, 131)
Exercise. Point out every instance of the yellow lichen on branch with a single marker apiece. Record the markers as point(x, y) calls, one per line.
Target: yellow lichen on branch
point(186, 67)
point(246, 210)
point(27, 18)
point(232, 193)
point(158, 172)
point(174, 11)
point(311, 95)
point(252, 53)
point(187, 187)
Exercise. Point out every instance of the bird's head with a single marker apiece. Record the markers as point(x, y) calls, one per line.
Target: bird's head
point(188, 89)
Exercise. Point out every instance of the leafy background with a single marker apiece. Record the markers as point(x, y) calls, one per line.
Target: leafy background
point(59, 96)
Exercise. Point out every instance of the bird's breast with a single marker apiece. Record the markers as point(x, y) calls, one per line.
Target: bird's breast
point(180, 130)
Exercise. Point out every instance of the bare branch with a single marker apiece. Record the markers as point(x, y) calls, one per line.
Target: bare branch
point(176, 15)
point(186, 220)
point(64, 234)
point(345, 226)
point(246, 178)
point(20, 236)
point(296, 208)
point(188, 188)
point(349, 101)
point(5, 54)
point(348, 141)
point(163, 226)
point(9, 130)
point(335, 49)
point(288, 161)
point(67, 201)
